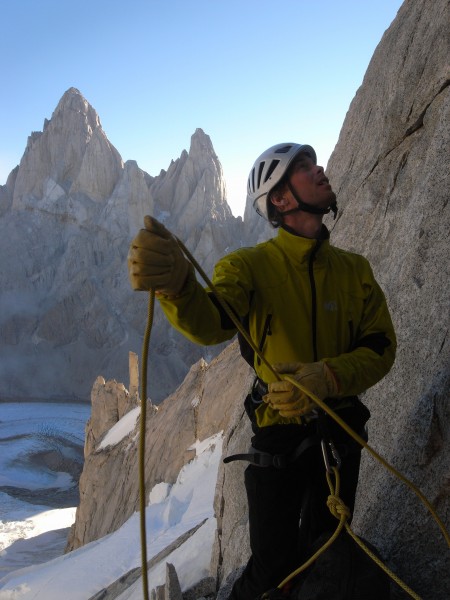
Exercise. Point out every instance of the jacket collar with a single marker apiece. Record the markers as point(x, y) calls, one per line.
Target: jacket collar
point(299, 249)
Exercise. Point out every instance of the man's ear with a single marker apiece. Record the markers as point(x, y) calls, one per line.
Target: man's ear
point(278, 200)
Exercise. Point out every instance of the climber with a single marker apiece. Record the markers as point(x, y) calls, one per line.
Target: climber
point(317, 313)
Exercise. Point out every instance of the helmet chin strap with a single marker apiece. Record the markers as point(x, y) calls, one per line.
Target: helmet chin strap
point(303, 206)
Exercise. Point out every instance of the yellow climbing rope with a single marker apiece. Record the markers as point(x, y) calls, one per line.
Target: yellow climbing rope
point(339, 510)
point(143, 420)
point(335, 504)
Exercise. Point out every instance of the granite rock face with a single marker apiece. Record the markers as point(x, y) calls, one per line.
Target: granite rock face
point(68, 213)
point(204, 404)
point(391, 172)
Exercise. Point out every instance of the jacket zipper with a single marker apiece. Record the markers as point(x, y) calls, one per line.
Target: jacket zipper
point(312, 283)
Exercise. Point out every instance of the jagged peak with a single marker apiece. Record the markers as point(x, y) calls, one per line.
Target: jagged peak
point(71, 97)
point(199, 133)
point(73, 100)
point(72, 91)
point(201, 143)
point(63, 153)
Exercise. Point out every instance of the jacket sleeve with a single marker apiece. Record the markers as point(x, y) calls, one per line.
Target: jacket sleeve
point(373, 352)
point(197, 313)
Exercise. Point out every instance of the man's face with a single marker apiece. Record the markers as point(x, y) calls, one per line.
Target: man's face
point(310, 182)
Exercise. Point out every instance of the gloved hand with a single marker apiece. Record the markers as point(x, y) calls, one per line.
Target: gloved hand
point(155, 261)
point(289, 400)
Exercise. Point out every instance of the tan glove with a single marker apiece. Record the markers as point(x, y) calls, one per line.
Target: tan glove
point(289, 400)
point(155, 261)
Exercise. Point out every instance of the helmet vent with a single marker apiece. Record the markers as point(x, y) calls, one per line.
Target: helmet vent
point(283, 149)
point(251, 181)
point(260, 170)
point(273, 166)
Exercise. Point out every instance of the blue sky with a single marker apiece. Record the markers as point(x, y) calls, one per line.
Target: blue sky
point(250, 73)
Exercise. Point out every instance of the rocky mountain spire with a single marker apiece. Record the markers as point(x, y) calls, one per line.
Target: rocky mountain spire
point(71, 155)
point(68, 313)
point(193, 186)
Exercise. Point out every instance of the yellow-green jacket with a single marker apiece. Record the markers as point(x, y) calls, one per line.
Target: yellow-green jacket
point(304, 300)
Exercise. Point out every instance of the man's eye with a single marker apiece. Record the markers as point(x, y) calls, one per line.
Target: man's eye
point(301, 166)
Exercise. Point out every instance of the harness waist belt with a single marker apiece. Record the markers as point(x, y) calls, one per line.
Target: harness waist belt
point(279, 461)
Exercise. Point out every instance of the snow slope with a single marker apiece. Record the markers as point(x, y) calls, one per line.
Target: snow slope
point(172, 511)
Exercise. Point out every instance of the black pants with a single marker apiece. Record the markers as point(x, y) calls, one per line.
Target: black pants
point(287, 513)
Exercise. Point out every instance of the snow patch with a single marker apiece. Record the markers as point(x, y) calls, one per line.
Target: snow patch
point(195, 401)
point(159, 493)
point(15, 593)
point(163, 216)
point(209, 443)
point(121, 429)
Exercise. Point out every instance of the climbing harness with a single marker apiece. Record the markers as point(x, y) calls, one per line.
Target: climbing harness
point(335, 504)
point(321, 438)
point(279, 461)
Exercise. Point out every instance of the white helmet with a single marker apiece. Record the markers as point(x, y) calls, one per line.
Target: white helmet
point(269, 169)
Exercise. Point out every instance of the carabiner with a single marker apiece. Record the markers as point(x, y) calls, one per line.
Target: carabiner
point(334, 453)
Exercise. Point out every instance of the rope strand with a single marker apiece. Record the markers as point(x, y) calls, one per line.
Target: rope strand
point(143, 419)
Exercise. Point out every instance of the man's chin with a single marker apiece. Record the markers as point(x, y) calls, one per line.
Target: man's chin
point(330, 198)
